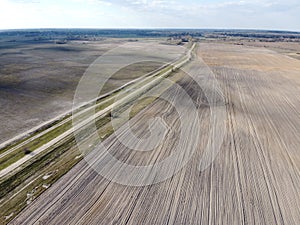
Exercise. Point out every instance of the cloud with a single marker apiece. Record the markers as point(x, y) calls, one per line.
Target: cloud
point(220, 14)
point(93, 2)
point(25, 1)
point(263, 14)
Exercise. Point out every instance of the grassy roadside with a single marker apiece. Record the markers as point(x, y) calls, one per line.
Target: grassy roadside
point(20, 188)
point(20, 152)
point(128, 73)
point(24, 186)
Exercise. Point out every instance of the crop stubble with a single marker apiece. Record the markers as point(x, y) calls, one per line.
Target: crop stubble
point(255, 178)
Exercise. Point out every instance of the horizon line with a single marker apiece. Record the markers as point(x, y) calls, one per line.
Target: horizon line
point(148, 28)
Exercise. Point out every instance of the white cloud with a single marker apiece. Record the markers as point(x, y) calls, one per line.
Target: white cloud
point(93, 2)
point(264, 14)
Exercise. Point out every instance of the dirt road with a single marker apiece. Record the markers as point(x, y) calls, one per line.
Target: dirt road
point(152, 81)
point(254, 179)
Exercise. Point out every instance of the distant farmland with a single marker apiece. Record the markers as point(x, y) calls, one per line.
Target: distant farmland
point(228, 152)
point(255, 177)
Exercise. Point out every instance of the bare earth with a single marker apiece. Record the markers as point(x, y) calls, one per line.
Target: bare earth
point(255, 179)
point(38, 80)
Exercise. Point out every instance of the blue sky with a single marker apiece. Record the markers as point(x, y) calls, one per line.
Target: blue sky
point(257, 14)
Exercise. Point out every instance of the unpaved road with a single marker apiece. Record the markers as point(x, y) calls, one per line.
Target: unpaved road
point(255, 178)
point(151, 83)
point(32, 89)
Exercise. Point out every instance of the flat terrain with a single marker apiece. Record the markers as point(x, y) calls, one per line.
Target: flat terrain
point(38, 79)
point(51, 151)
point(291, 49)
point(254, 179)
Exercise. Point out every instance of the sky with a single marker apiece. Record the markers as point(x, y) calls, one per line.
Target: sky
point(244, 14)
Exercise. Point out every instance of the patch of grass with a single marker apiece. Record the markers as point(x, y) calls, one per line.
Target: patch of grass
point(10, 159)
point(59, 162)
point(43, 128)
point(31, 146)
point(39, 163)
point(59, 158)
point(136, 70)
point(140, 105)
